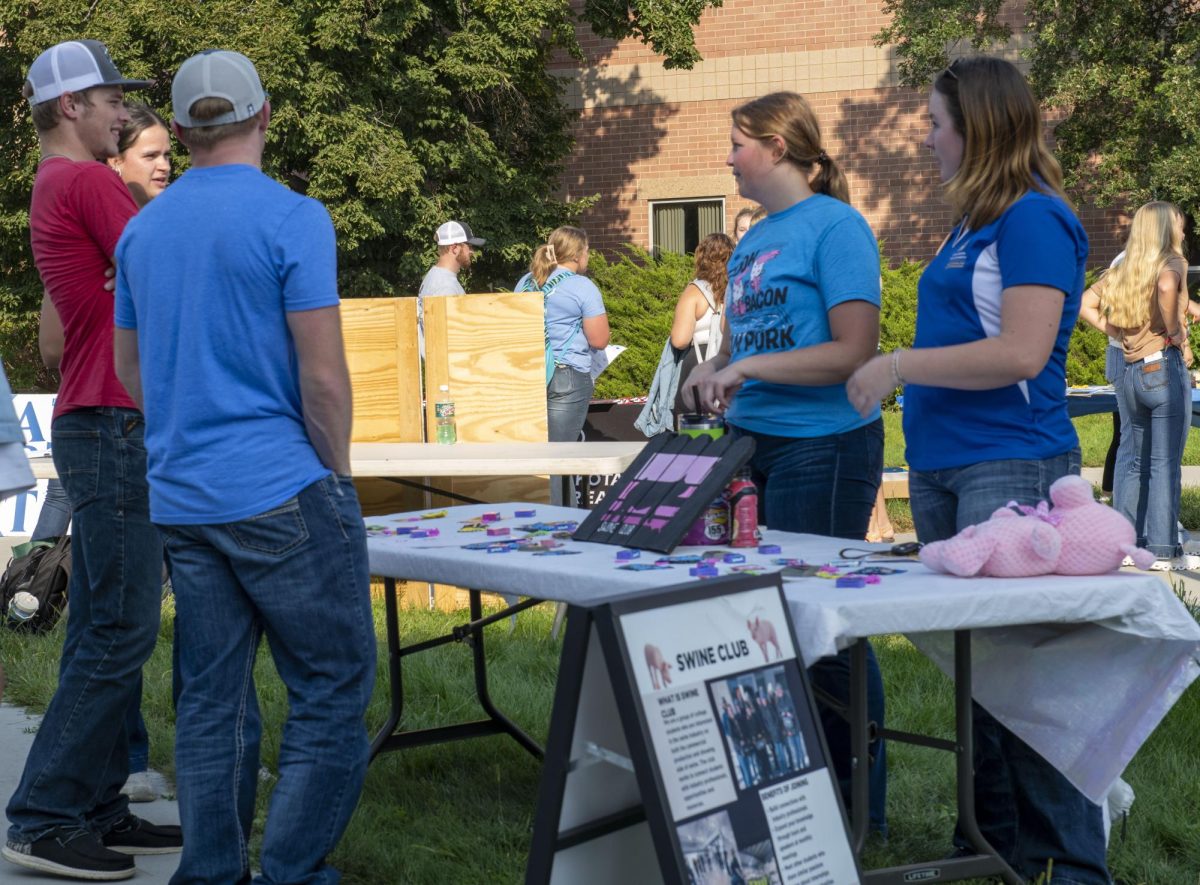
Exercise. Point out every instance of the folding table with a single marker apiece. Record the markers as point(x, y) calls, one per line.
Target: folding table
point(1082, 669)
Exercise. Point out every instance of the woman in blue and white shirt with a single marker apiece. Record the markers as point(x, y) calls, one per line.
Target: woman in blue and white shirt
point(985, 411)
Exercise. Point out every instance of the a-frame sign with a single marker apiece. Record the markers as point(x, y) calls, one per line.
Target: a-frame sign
point(685, 748)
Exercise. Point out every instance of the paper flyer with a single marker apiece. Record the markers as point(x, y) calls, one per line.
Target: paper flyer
point(736, 744)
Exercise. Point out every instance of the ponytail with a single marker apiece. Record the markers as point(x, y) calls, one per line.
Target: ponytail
point(564, 244)
point(543, 264)
point(830, 180)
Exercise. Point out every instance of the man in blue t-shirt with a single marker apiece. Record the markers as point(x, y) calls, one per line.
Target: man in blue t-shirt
point(228, 335)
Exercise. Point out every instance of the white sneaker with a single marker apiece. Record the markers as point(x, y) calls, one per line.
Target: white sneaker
point(140, 787)
point(1185, 562)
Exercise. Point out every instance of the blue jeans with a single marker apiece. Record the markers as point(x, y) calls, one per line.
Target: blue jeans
point(52, 523)
point(1159, 404)
point(1114, 374)
point(297, 573)
point(80, 757)
point(55, 515)
point(567, 398)
point(826, 485)
point(1026, 809)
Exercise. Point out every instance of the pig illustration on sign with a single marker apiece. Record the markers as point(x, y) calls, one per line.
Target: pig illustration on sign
point(660, 670)
point(763, 632)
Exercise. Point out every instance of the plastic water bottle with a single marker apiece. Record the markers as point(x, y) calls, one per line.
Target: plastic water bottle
point(443, 411)
point(21, 608)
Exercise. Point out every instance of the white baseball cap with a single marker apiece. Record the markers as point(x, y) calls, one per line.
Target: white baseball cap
point(457, 232)
point(74, 66)
point(217, 73)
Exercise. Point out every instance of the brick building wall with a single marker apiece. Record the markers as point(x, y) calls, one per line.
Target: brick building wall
point(648, 134)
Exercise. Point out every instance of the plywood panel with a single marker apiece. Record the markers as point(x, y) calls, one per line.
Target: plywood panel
point(381, 350)
point(490, 349)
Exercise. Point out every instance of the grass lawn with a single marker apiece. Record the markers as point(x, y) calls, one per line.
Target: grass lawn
point(463, 812)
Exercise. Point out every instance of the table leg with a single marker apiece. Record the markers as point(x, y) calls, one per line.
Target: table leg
point(481, 685)
point(986, 862)
point(860, 749)
point(395, 687)
point(389, 738)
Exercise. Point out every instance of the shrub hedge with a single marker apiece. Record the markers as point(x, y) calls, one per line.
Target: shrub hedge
point(640, 293)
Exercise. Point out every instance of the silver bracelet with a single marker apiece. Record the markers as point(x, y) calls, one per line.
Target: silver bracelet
point(896, 376)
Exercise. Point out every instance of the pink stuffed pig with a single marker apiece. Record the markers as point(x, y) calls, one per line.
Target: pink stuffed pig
point(1008, 545)
point(1095, 538)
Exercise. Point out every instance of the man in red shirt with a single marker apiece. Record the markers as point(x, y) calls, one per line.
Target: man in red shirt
point(68, 815)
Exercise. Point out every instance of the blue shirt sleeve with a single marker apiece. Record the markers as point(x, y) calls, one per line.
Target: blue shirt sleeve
point(591, 302)
point(124, 316)
point(306, 252)
point(847, 263)
point(1037, 244)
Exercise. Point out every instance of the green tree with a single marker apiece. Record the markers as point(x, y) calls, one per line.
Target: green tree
point(397, 114)
point(1121, 77)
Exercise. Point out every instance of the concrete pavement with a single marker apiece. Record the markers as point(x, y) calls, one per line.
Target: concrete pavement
point(17, 729)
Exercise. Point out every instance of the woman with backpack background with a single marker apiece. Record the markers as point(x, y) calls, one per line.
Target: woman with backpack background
point(696, 330)
point(576, 324)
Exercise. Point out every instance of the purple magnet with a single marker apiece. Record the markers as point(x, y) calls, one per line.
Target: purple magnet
point(525, 514)
point(424, 533)
point(499, 548)
point(854, 582)
point(871, 579)
point(491, 516)
point(768, 548)
point(496, 532)
point(734, 558)
point(625, 555)
point(703, 571)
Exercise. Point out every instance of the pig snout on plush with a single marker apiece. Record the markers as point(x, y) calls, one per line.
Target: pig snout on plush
point(660, 670)
point(763, 632)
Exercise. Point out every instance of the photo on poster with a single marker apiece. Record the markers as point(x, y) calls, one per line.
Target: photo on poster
point(712, 855)
point(678, 653)
point(767, 736)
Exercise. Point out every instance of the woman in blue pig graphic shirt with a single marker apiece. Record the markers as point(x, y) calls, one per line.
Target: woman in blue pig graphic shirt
point(802, 313)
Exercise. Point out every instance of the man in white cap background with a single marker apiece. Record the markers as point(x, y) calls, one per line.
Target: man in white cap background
point(68, 816)
point(229, 333)
point(456, 244)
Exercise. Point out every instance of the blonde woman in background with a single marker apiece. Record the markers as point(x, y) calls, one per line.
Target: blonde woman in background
point(741, 222)
point(746, 218)
point(697, 325)
point(576, 324)
point(1143, 304)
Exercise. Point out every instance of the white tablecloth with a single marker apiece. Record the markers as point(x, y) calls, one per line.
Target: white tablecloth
point(1083, 669)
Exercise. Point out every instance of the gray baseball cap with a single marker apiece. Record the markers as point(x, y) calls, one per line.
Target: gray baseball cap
point(457, 232)
point(217, 73)
point(74, 66)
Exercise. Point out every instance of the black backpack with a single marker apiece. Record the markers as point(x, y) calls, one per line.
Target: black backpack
point(43, 571)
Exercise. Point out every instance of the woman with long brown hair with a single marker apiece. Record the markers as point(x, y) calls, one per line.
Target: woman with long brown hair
point(696, 329)
point(985, 410)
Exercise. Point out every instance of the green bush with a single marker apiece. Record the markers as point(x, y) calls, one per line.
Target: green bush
point(640, 292)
